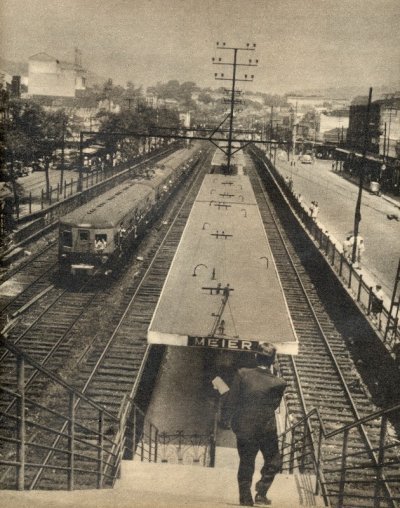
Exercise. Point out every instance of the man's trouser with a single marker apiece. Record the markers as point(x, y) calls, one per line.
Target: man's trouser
point(248, 449)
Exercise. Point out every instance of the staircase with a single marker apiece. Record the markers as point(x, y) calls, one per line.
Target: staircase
point(149, 485)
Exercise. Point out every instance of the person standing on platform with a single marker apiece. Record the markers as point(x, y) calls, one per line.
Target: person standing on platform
point(253, 398)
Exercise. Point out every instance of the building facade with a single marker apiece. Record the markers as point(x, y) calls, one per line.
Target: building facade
point(49, 76)
point(383, 131)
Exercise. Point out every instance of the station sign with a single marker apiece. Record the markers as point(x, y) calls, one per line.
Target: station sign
point(223, 343)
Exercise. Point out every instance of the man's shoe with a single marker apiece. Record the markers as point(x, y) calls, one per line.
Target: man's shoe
point(262, 500)
point(246, 502)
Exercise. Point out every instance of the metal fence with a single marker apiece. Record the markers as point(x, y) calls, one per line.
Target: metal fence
point(69, 441)
point(345, 476)
point(362, 293)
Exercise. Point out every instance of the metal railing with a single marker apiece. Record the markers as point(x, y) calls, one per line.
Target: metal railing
point(345, 477)
point(84, 441)
point(363, 294)
point(192, 449)
point(70, 441)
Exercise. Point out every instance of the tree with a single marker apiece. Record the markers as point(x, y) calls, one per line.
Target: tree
point(29, 132)
point(205, 97)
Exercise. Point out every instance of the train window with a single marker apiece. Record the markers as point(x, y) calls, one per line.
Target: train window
point(67, 238)
point(83, 235)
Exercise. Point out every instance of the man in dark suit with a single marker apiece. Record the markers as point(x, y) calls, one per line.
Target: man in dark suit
point(253, 398)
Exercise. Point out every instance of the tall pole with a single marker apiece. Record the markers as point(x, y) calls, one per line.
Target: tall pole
point(270, 131)
point(388, 135)
point(294, 133)
point(357, 215)
point(384, 142)
point(229, 154)
point(80, 178)
point(62, 154)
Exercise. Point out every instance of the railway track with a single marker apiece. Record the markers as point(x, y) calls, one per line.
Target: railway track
point(18, 285)
point(26, 281)
point(323, 375)
point(111, 358)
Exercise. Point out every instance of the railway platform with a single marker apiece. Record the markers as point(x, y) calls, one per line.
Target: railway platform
point(210, 298)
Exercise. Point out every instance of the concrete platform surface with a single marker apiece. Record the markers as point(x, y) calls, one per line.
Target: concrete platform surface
point(145, 485)
point(220, 158)
point(224, 250)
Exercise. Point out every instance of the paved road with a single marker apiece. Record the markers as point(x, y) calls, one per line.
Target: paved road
point(36, 181)
point(337, 197)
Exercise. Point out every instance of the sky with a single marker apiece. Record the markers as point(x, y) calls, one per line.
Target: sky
point(301, 44)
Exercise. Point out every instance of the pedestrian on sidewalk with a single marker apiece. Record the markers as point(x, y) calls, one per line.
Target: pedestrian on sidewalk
point(254, 396)
point(359, 251)
point(312, 208)
point(315, 211)
point(347, 248)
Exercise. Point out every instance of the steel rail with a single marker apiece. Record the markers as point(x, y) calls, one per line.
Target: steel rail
point(109, 343)
point(14, 271)
point(349, 397)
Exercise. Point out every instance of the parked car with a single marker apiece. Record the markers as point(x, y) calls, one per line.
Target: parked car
point(38, 165)
point(306, 159)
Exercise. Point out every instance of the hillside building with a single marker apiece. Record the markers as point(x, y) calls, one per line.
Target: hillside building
point(49, 76)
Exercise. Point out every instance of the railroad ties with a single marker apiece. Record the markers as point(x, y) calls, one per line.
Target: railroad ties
point(109, 365)
point(324, 374)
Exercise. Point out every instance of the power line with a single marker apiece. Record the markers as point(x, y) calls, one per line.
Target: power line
point(233, 92)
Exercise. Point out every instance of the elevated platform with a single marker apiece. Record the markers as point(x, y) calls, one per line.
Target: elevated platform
point(223, 289)
point(144, 485)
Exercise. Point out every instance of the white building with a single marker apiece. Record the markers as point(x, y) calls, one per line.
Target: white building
point(333, 121)
point(51, 77)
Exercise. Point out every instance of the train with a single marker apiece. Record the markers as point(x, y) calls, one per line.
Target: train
point(96, 236)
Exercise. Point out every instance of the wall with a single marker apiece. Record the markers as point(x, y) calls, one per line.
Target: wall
point(392, 119)
point(48, 77)
point(328, 122)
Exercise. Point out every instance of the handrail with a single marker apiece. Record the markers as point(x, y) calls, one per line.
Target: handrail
point(73, 431)
point(27, 358)
point(377, 481)
point(365, 419)
point(361, 421)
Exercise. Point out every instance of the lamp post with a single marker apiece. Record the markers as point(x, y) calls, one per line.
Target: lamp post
point(357, 214)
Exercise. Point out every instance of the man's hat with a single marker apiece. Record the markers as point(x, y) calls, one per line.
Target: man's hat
point(266, 349)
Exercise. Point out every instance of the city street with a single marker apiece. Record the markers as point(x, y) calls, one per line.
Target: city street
point(36, 182)
point(336, 199)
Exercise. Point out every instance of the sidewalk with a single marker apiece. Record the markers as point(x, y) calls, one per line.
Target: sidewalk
point(364, 279)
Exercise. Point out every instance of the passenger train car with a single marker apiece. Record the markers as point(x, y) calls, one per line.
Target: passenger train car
point(95, 236)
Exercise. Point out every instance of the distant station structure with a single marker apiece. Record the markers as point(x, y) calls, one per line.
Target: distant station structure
point(223, 290)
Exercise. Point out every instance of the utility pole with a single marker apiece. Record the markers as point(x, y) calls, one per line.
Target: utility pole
point(384, 143)
point(357, 215)
point(270, 131)
point(389, 127)
point(294, 134)
point(80, 177)
point(62, 153)
point(229, 153)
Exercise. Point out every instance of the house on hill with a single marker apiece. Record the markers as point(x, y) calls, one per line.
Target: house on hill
point(49, 76)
